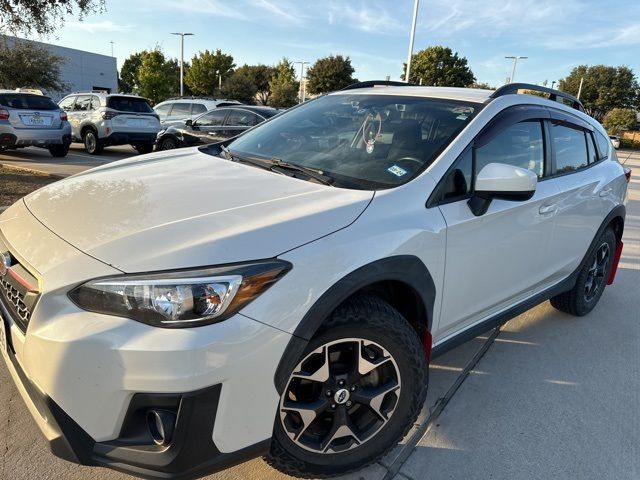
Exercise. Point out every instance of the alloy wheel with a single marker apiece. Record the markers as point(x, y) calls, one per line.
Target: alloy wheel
point(90, 142)
point(340, 396)
point(597, 271)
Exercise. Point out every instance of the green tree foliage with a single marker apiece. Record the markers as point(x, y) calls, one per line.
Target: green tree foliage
point(28, 65)
point(42, 16)
point(260, 76)
point(202, 76)
point(239, 87)
point(283, 86)
point(481, 85)
point(439, 66)
point(619, 119)
point(604, 88)
point(155, 80)
point(329, 74)
point(128, 81)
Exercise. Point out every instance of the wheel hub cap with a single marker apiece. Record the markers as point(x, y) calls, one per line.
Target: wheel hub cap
point(340, 396)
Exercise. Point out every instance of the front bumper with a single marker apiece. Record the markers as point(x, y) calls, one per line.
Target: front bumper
point(83, 375)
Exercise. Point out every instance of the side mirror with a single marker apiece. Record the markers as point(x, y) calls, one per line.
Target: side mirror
point(188, 122)
point(498, 180)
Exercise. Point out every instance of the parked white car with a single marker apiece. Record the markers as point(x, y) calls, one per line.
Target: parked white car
point(100, 120)
point(282, 293)
point(176, 111)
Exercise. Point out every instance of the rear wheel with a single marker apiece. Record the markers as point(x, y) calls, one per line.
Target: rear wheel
point(59, 151)
point(143, 148)
point(592, 278)
point(354, 394)
point(92, 143)
point(167, 143)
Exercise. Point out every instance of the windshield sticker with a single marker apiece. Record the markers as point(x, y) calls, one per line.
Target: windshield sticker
point(462, 117)
point(397, 171)
point(462, 110)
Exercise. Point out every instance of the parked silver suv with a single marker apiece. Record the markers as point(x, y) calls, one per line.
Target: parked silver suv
point(32, 120)
point(175, 111)
point(100, 120)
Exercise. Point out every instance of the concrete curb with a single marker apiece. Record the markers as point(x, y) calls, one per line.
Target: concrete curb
point(32, 170)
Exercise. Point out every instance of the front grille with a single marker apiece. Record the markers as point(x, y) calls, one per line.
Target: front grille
point(16, 301)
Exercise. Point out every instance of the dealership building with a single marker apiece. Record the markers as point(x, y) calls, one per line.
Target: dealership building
point(81, 71)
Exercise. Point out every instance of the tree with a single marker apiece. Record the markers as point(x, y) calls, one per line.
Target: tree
point(619, 119)
point(239, 87)
point(603, 89)
point(260, 76)
point(283, 86)
point(128, 81)
point(329, 74)
point(441, 67)
point(155, 80)
point(42, 16)
point(202, 77)
point(481, 85)
point(26, 64)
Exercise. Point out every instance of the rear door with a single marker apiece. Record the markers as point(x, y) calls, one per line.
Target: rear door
point(135, 115)
point(497, 259)
point(585, 183)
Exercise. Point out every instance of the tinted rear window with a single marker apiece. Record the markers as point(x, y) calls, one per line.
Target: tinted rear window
point(129, 104)
point(27, 102)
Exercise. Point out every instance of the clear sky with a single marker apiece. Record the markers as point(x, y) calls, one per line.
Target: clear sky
point(556, 35)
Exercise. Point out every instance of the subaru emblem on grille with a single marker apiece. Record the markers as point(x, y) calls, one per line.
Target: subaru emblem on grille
point(5, 263)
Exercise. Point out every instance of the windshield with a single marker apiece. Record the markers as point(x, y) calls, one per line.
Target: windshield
point(129, 104)
point(27, 102)
point(365, 141)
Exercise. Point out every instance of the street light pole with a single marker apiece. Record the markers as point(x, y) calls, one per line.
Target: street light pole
point(515, 62)
point(302, 64)
point(112, 42)
point(411, 39)
point(182, 35)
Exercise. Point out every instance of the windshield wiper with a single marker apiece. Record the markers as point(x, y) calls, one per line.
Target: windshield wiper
point(317, 175)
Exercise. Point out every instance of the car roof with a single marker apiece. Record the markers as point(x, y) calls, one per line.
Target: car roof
point(263, 110)
point(475, 95)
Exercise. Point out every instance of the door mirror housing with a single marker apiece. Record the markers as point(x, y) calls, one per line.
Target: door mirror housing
point(499, 180)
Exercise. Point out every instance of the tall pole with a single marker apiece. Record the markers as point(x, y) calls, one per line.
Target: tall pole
point(301, 95)
point(515, 62)
point(112, 42)
point(182, 35)
point(580, 87)
point(411, 39)
point(553, 82)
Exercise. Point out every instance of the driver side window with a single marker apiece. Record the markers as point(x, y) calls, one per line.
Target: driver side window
point(212, 119)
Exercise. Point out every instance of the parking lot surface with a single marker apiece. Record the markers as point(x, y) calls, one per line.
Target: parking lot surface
point(546, 396)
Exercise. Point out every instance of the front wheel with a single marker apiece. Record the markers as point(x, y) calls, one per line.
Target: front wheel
point(354, 394)
point(59, 151)
point(144, 148)
point(167, 143)
point(592, 279)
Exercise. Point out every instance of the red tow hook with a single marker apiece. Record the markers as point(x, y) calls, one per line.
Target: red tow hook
point(616, 260)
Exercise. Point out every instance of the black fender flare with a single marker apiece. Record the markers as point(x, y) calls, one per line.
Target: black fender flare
point(407, 269)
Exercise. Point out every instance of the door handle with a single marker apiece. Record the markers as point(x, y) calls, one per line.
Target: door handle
point(605, 191)
point(548, 209)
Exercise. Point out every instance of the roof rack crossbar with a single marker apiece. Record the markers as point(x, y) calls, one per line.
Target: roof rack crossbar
point(377, 83)
point(554, 95)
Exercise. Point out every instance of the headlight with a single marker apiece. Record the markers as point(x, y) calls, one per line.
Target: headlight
point(179, 299)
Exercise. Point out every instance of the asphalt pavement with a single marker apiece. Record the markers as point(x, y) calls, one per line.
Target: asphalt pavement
point(546, 396)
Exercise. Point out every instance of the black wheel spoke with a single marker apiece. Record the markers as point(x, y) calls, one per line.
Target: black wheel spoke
point(373, 397)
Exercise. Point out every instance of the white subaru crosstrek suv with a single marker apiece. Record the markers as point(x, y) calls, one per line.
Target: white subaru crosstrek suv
point(283, 292)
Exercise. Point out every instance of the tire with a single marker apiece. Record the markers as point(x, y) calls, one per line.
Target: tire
point(364, 328)
point(59, 151)
point(144, 148)
point(167, 143)
point(92, 144)
point(592, 279)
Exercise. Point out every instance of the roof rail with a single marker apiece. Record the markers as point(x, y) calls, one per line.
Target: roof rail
point(377, 83)
point(554, 95)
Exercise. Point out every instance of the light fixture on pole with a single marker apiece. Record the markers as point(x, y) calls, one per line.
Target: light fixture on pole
point(182, 35)
point(302, 64)
point(515, 62)
point(411, 39)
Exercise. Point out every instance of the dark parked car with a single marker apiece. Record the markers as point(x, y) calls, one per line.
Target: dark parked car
point(213, 126)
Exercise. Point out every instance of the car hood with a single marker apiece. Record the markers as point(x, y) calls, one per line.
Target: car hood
point(188, 209)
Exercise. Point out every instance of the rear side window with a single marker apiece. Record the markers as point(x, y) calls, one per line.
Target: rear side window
point(603, 145)
point(197, 108)
point(27, 102)
point(520, 145)
point(129, 104)
point(181, 110)
point(570, 148)
point(242, 118)
point(83, 103)
point(214, 118)
point(95, 103)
